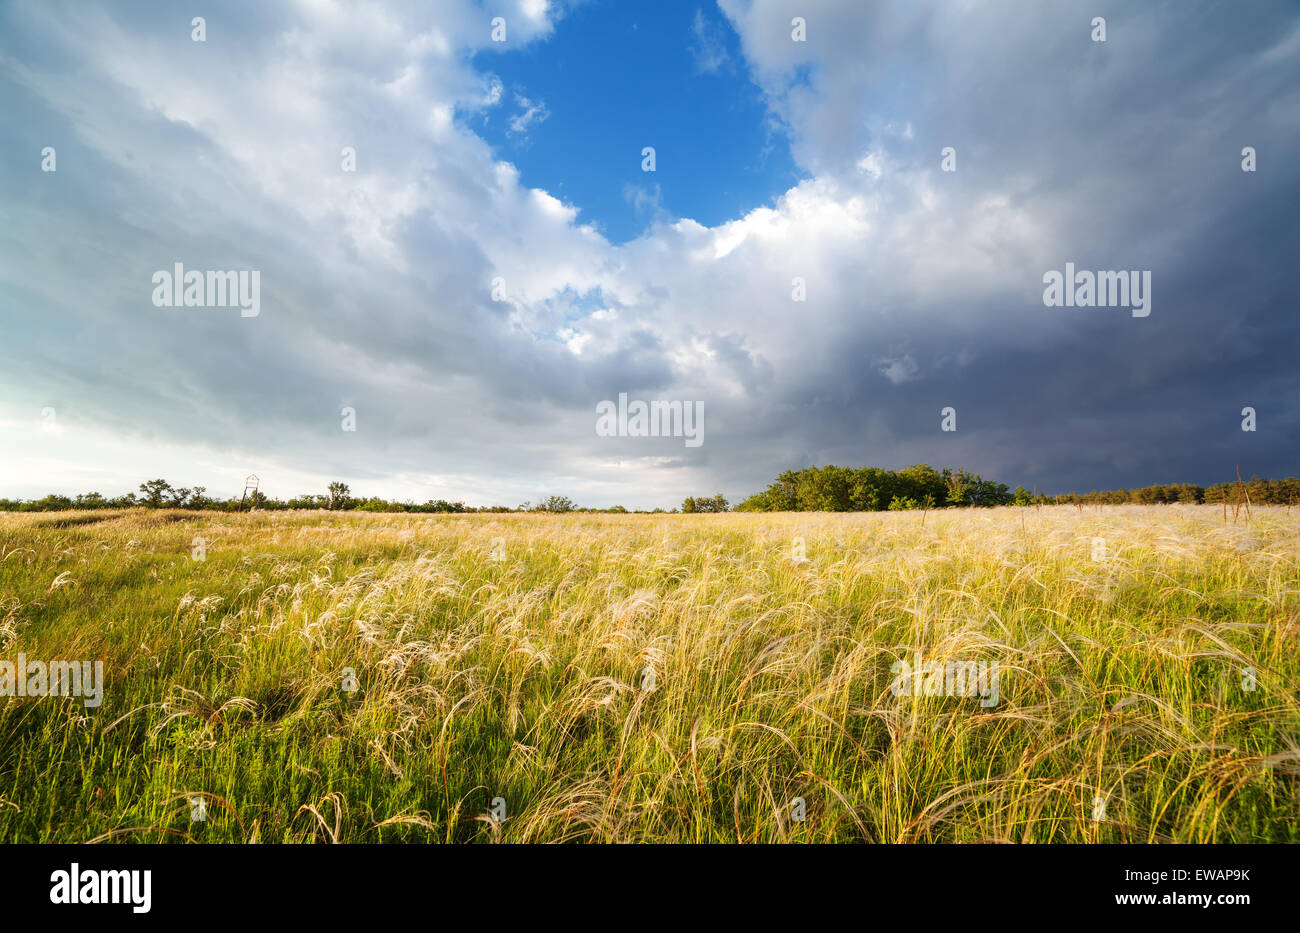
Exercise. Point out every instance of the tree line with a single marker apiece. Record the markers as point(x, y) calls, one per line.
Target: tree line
point(812, 489)
point(871, 489)
point(160, 494)
point(865, 489)
point(1254, 490)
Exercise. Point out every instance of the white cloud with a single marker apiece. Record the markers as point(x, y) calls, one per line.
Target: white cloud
point(377, 284)
point(708, 46)
point(530, 114)
point(898, 369)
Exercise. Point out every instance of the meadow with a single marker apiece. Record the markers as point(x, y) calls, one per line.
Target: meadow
point(342, 677)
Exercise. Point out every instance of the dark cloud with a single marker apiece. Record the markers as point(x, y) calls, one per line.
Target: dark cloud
point(924, 288)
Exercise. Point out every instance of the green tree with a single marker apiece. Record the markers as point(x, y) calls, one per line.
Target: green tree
point(155, 492)
point(959, 483)
point(716, 503)
point(557, 504)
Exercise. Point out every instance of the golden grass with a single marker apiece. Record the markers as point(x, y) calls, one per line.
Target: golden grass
point(655, 678)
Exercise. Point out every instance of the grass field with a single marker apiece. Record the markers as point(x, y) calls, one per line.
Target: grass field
point(654, 678)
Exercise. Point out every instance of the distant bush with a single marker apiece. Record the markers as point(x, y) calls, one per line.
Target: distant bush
point(716, 503)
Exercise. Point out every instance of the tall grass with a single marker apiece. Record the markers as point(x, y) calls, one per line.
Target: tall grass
point(654, 678)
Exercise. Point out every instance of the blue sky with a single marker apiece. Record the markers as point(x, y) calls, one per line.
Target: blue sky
point(618, 77)
point(497, 265)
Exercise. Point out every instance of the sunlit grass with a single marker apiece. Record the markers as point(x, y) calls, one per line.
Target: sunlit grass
point(526, 678)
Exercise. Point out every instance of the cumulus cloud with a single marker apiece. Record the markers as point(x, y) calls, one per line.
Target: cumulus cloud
point(474, 322)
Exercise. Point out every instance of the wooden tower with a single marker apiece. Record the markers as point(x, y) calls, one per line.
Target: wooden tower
point(250, 487)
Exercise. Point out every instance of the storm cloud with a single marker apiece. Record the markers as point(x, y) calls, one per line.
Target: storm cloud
point(474, 323)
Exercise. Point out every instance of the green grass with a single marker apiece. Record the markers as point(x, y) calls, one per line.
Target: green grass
point(524, 678)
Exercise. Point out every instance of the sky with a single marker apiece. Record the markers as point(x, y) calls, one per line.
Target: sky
point(852, 210)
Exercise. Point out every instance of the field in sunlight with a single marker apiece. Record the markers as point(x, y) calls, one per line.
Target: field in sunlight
point(528, 677)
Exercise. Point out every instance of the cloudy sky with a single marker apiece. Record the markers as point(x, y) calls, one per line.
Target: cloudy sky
point(520, 162)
